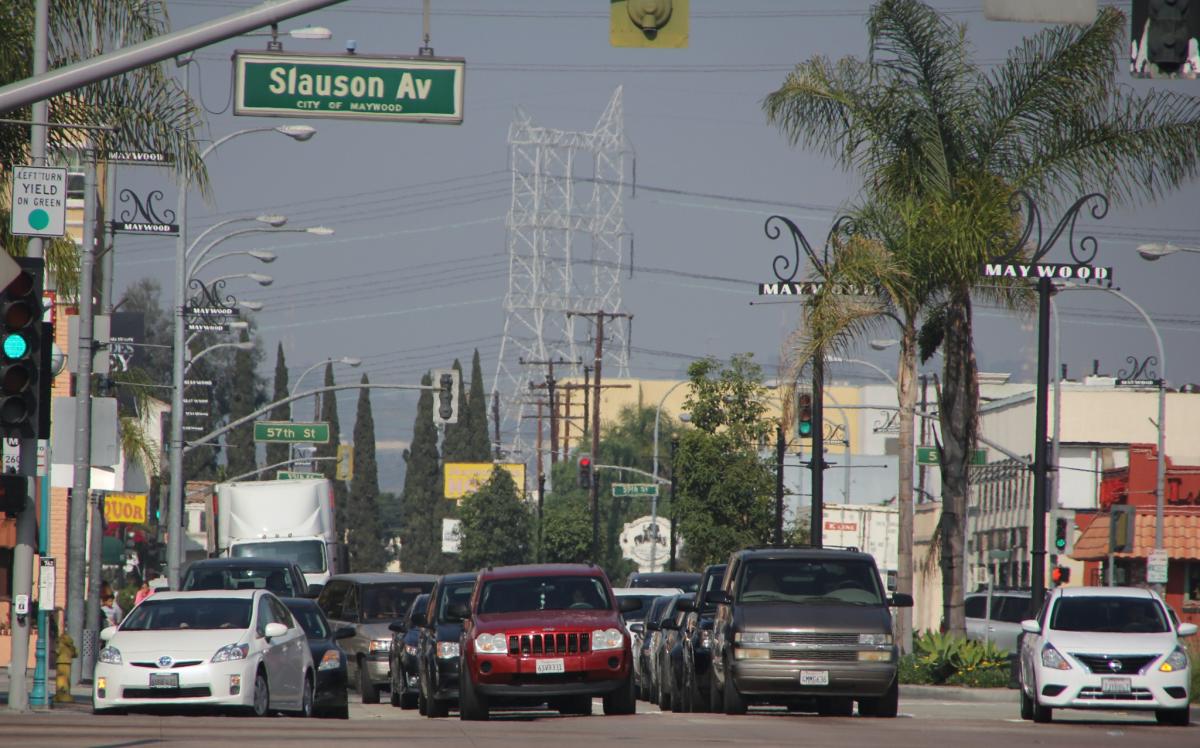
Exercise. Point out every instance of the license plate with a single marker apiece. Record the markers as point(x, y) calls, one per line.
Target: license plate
point(555, 665)
point(814, 677)
point(164, 680)
point(1116, 685)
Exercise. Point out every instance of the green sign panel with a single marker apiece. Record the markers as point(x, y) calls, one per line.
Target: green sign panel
point(929, 456)
point(290, 475)
point(405, 89)
point(634, 489)
point(288, 432)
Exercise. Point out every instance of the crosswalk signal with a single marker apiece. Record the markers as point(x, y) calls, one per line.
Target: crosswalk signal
point(1060, 575)
point(585, 472)
point(24, 355)
point(648, 23)
point(1120, 528)
point(446, 409)
point(804, 413)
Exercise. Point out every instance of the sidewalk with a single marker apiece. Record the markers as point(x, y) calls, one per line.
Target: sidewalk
point(82, 694)
point(959, 693)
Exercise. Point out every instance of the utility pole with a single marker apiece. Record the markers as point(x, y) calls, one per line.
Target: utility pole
point(496, 421)
point(674, 504)
point(817, 462)
point(550, 386)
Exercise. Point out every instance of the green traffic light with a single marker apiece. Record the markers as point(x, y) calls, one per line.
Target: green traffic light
point(805, 428)
point(15, 346)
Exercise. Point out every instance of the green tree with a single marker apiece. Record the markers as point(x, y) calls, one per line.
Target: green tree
point(328, 450)
point(478, 447)
point(241, 451)
point(922, 125)
point(422, 502)
point(497, 528)
point(364, 538)
point(277, 453)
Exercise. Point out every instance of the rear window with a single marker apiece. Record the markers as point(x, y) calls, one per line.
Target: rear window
point(311, 620)
point(544, 593)
point(1128, 615)
point(190, 613)
point(387, 602)
point(790, 580)
point(645, 601)
point(459, 592)
point(278, 581)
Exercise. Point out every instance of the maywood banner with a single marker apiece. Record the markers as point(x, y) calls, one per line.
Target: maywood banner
point(462, 478)
point(125, 508)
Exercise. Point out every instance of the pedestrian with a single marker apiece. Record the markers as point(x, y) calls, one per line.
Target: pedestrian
point(143, 592)
point(110, 609)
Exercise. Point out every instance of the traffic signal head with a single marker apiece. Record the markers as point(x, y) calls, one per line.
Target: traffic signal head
point(446, 408)
point(1060, 535)
point(804, 413)
point(24, 346)
point(585, 471)
point(1060, 575)
point(1120, 528)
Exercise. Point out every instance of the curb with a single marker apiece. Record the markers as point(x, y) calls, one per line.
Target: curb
point(959, 693)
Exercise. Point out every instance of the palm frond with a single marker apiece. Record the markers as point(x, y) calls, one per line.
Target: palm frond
point(137, 446)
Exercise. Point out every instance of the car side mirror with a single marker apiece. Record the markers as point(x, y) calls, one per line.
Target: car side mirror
point(718, 597)
point(418, 618)
point(901, 600)
point(628, 604)
point(669, 625)
point(107, 632)
point(651, 626)
point(274, 629)
point(344, 632)
point(396, 626)
point(1031, 626)
point(1184, 629)
point(314, 590)
point(638, 628)
point(458, 611)
point(686, 605)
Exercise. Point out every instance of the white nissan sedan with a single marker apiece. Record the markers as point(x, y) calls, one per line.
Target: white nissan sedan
point(237, 648)
point(1105, 648)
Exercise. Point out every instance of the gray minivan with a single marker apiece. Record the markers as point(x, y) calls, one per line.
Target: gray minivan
point(806, 628)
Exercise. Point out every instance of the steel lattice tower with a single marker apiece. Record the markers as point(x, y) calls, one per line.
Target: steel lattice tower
point(565, 228)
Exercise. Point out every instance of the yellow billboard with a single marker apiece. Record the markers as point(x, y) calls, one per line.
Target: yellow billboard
point(462, 478)
point(125, 508)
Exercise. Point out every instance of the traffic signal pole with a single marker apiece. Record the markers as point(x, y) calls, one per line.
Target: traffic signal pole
point(1037, 543)
point(816, 463)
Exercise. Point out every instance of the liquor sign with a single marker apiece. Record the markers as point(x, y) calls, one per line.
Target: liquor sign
point(462, 478)
point(125, 508)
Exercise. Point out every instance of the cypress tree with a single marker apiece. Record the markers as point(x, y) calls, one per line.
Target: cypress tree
point(329, 414)
point(277, 453)
point(478, 447)
point(455, 445)
point(241, 454)
point(422, 502)
point(364, 540)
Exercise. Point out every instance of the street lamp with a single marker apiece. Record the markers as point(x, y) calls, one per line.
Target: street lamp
point(259, 278)
point(882, 344)
point(1152, 251)
point(264, 256)
point(350, 361)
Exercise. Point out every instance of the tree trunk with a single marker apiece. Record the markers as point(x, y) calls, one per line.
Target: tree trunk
point(958, 414)
point(907, 395)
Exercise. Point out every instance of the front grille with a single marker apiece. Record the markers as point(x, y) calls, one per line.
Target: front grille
point(814, 655)
point(549, 644)
point(1129, 664)
point(196, 692)
point(156, 666)
point(813, 638)
point(1095, 694)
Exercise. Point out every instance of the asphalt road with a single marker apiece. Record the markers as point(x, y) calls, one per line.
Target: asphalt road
point(925, 723)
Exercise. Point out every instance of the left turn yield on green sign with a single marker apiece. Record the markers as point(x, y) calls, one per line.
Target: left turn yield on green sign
point(39, 201)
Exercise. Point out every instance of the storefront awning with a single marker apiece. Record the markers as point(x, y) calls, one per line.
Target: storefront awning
point(1181, 535)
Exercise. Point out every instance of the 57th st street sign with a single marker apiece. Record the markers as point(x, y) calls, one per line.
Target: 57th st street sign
point(402, 89)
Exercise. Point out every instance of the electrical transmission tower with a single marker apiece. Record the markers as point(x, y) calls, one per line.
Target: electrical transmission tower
point(565, 227)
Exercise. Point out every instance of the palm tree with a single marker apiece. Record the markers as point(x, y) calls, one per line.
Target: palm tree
point(925, 127)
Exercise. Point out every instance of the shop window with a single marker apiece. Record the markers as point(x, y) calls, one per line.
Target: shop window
point(1191, 585)
point(6, 573)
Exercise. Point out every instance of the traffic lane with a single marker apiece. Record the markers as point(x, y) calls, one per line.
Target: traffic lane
point(922, 723)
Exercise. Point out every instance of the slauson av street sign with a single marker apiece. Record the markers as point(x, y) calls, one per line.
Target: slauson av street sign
point(402, 89)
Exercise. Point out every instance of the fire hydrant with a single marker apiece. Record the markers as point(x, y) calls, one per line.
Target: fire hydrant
point(64, 653)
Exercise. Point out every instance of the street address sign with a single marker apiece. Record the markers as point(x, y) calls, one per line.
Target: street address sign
point(289, 432)
point(293, 475)
point(401, 89)
point(1157, 562)
point(634, 489)
point(929, 456)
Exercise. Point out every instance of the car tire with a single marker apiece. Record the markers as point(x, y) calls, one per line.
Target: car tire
point(472, 706)
point(394, 691)
point(308, 698)
point(835, 706)
point(366, 689)
point(734, 703)
point(339, 712)
point(1026, 705)
point(261, 706)
point(664, 696)
point(1041, 714)
point(437, 709)
point(1174, 717)
point(679, 700)
point(407, 699)
point(577, 706)
point(716, 704)
point(622, 700)
point(885, 706)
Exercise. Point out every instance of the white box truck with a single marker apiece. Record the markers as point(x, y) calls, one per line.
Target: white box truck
point(286, 519)
point(871, 528)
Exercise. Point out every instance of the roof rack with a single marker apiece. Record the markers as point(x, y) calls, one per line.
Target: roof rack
point(807, 547)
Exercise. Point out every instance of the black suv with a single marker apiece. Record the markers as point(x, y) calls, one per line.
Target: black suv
point(697, 642)
point(437, 648)
point(805, 628)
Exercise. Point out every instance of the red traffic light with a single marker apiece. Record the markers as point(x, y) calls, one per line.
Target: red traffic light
point(585, 462)
point(1060, 574)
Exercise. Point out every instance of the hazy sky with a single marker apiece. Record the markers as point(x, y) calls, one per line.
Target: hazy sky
point(416, 272)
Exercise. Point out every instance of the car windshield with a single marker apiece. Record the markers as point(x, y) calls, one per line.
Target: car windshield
point(232, 578)
point(544, 593)
point(645, 601)
point(190, 613)
point(713, 582)
point(311, 620)
point(459, 592)
point(685, 582)
point(1128, 615)
point(309, 555)
point(387, 602)
point(799, 580)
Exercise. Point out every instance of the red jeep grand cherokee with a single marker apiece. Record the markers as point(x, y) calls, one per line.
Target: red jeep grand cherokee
point(546, 634)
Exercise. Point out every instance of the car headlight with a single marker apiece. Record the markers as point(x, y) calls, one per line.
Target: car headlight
point(491, 644)
point(379, 646)
point(747, 653)
point(410, 650)
point(231, 652)
point(110, 655)
point(331, 660)
point(875, 639)
point(447, 649)
point(1052, 659)
point(706, 637)
point(752, 637)
point(607, 639)
point(1177, 660)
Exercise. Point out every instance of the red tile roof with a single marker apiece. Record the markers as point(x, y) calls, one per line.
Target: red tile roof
point(1181, 535)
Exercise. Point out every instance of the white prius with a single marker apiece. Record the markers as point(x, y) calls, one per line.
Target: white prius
point(215, 648)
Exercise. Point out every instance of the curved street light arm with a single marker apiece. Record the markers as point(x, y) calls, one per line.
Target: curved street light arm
point(222, 255)
point(195, 261)
point(188, 366)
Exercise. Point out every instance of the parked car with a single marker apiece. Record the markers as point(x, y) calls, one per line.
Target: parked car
point(1105, 648)
point(804, 625)
point(329, 699)
point(403, 656)
point(369, 603)
point(543, 634)
point(643, 671)
point(234, 648)
point(687, 581)
point(280, 576)
point(666, 655)
point(438, 650)
point(1003, 626)
point(697, 641)
point(635, 620)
